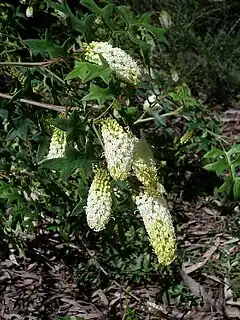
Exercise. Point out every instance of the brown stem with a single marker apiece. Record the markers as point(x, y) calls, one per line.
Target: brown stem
point(31, 64)
point(36, 103)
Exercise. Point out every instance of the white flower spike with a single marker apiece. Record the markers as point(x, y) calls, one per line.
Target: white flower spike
point(29, 12)
point(119, 61)
point(99, 201)
point(144, 168)
point(57, 145)
point(119, 148)
point(158, 224)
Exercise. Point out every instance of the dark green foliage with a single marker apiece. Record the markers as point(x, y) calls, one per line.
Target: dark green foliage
point(203, 44)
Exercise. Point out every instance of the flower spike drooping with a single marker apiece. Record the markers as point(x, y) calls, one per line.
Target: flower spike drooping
point(158, 224)
point(99, 201)
point(144, 167)
point(57, 144)
point(118, 60)
point(119, 147)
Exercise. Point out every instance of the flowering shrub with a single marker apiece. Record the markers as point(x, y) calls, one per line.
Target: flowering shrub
point(96, 167)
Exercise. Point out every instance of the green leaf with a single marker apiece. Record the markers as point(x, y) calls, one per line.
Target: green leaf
point(158, 33)
point(88, 25)
point(234, 149)
point(89, 71)
point(3, 114)
point(46, 47)
point(202, 146)
point(145, 18)
point(80, 70)
point(142, 44)
point(95, 71)
point(105, 13)
point(12, 134)
point(176, 97)
point(63, 124)
point(236, 189)
point(79, 208)
point(92, 6)
point(126, 13)
point(146, 261)
point(131, 111)
point(55, 164)
point(99, 94)
point(22, 129)
point(223, 187)
point(66, 165)
point(159, 120)
point(214, 153)
point(77, 25)
point(218, 166)
point(43, 148)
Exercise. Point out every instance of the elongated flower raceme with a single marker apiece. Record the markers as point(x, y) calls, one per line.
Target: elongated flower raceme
point(144, 168)
point(165, 19)
point(57, 144)
point(118, 148)
point(119, 61)
point(99, 201)
point(158, 224)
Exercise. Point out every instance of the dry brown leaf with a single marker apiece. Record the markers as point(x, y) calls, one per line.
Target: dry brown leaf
point(194, 315)
point(214, 278)
point(231, 241)
point(228, 294)
point(197, 289)
point(102, 296)
point(212, 212)
point(207, 255)
point(232, 312)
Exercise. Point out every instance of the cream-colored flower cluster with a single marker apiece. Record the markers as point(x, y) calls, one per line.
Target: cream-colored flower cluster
point(126, 155)
point(144, 166)
point(57, 144)
point(158, 223)
point(124, 66)
point(99, 202)
point(165, 19)
point(119, 145)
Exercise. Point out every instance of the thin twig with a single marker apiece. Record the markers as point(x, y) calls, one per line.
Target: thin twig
point(36, 103)
point(31, 64)
point(172, 113)
point(105, 112)
point(143, 120)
